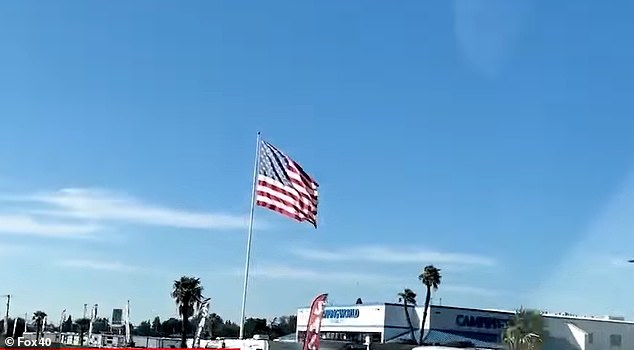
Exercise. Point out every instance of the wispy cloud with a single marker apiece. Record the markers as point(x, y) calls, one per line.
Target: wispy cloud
point(392, 255)
point(98, 204)
point(101, 265)
point(471, 290)
point(287, 272)
point(80, 212)
point(25, 224)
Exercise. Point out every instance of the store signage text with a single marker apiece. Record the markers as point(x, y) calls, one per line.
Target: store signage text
point(341, 313)
point(480, 322)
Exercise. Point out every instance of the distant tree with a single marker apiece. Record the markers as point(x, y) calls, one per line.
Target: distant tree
point(38, 317)
point(20, 331)
point(408, 297)
point(67, 326)
point(170, 326)
point(431, 278)
point(230, 330)
point(221, 328)
point(82, 325)
point(49, 327)
point(525, 330)
point(292, 324)
point(281, 326)
point(215, 324)
point(144, 328)
point(11, 324)
point(187, 293)
point(275, 328)
point(101, 325)
point(6, 328)
point(359, 301)
point(253, 326)
point(156, 325)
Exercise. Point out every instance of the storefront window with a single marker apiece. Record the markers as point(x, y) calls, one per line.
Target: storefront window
point(615, 340)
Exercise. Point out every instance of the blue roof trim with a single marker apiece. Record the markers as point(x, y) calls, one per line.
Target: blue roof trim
point(435, 337)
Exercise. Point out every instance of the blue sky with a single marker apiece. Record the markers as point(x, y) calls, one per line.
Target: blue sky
point(490, 138)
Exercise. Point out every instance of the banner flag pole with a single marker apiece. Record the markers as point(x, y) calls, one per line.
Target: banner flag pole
point(249, 237)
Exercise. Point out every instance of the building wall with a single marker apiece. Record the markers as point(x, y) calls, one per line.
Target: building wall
point(597, 332)
point(355, 318)
point(388, 319)
point(564, 332)
point(396, 325)
point(486, 325)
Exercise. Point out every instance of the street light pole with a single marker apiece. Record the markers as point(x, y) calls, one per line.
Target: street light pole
point(6, 317)
point(8, 303)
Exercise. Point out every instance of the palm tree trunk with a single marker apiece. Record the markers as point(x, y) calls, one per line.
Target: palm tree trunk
point(185, 312)
point(422, 324)
point(409, 321)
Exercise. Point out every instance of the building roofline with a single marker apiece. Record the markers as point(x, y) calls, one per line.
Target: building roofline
point(498, 311)
point(587, 318)
point(355, 305)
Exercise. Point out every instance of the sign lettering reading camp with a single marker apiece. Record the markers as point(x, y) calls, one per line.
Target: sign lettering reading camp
point(482, 322)
point(341, 313)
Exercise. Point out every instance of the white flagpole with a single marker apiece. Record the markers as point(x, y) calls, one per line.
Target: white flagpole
point(248, 258)
point(61, 324)
point(128, 337)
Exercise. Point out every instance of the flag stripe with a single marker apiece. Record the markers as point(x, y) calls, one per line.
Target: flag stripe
point(285, 194)
point(284, 187)
point(283, 211)
point(273, 199)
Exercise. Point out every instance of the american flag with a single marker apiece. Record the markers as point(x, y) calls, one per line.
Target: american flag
point(283, 186)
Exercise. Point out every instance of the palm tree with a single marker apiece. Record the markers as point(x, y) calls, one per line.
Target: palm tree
point(408, 297)
point(83, 324)
point(38, 317)
point(431, 280)
point(524, 331)
point(187, 293)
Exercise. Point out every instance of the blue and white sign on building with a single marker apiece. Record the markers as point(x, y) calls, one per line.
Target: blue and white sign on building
point(341, 313)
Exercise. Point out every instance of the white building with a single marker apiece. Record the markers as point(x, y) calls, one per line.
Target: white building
point(445, 324)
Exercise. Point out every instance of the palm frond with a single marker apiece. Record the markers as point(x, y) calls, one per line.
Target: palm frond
point(431, 277)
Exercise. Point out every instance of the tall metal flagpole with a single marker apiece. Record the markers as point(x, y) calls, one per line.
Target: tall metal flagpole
point(248, 258)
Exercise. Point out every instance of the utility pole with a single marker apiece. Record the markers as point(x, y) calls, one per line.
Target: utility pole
point(85, 309)
point(6, 317)
point(8, 303)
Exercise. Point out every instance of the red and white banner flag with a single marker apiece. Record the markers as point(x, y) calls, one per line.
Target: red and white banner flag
point(311, 342)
